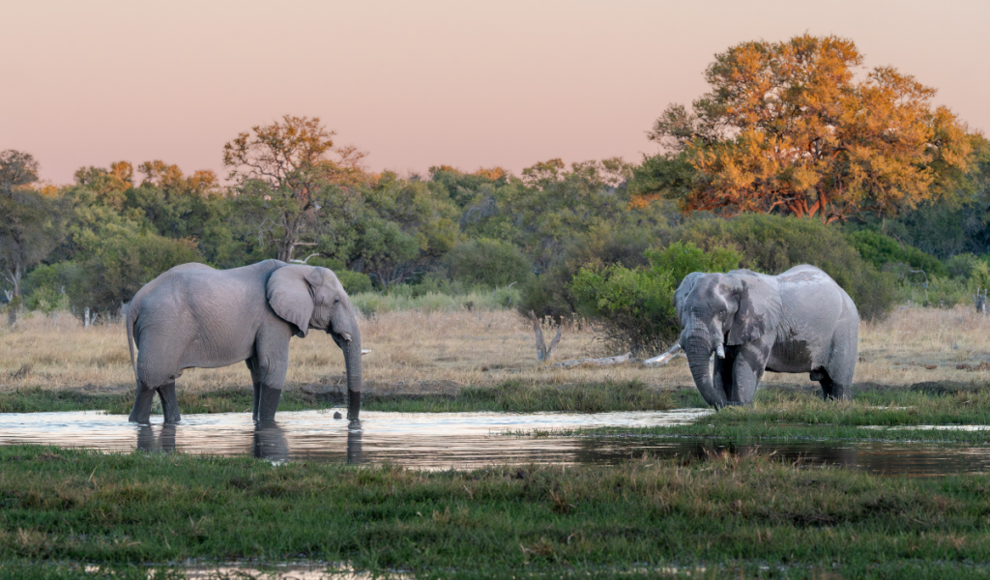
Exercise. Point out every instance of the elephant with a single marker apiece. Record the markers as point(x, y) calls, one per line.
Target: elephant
point(796, 322)
point(196, 316)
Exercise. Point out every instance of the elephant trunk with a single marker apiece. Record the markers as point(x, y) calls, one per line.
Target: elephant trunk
point(352, 361)
point(698, 353)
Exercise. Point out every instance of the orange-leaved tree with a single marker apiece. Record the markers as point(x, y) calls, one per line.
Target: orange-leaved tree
point(791, 127)
point(281, 170)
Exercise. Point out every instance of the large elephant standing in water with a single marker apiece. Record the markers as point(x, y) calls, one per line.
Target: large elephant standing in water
point(798, 322)
point(196, 316)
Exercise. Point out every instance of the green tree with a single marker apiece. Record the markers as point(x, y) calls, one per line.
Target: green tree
point(280, 170)
point(191, 207)
point(29, 228)
point(401, 229)
point(486, 262)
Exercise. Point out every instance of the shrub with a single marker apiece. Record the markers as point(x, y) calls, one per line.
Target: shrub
point(681, 259)
point(961, 265)
point(125, 263)
point(635, 306)
point(881, 250)
point(488, 263)
point(549, 293)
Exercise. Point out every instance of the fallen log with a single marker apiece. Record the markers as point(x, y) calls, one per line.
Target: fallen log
point(609, 360)
point(666, 357)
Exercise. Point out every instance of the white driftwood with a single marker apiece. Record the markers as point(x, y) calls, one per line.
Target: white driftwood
point(365, 351)
point(609, 360)
point(543, 352)
point(666, 357)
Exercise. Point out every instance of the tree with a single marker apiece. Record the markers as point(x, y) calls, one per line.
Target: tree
point(27, 230)
point(786, 127)
point(108, 185)
point(16, 169)
point(401, 229)
point(281, 169)
point(191, 207)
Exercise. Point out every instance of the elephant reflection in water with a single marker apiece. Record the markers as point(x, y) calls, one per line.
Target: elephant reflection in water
point(269, 441)
point(148, 441)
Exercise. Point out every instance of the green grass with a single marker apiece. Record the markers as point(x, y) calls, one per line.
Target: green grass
point(800, 414)
point(511, 396)
point(728, 515)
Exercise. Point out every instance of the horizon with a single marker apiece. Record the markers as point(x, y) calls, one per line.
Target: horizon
point(435, 83)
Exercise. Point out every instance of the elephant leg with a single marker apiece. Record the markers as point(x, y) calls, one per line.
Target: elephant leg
point(833, 390)
point(252, 366)
point(747, 370)
point(141, 413)
point(722, 375)
point(170, 405)
point(271, 361)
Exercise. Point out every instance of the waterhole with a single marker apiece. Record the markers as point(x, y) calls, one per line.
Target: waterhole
point(462, 440)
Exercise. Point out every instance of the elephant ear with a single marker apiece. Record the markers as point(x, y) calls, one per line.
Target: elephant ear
point(291, 297)
point(685, 288)
point(758, 313)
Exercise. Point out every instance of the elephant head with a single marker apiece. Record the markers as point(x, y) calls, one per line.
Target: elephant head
point(716, 310)
point(310, 297)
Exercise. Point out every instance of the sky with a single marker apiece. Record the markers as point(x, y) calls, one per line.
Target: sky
point(467, 83)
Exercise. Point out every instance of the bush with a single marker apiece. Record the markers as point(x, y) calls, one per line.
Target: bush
point(125, 263)
point(881, 250)
point(488, 263)
point(961, 265)
point(549, 293)
point(372, 303)
point(635, 307)
point(681, 259)
point(47, 287)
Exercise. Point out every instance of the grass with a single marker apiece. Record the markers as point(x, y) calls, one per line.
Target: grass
point(441, 352)
point(726, 516)
point(509, 396)
point(890, 414)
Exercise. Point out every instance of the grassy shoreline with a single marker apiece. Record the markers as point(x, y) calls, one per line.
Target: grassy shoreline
point(779, 413)
point(726, 516)
point(510, 396)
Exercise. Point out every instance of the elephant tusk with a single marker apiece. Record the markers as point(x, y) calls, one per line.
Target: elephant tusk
point(346, 336)
point(720, 351)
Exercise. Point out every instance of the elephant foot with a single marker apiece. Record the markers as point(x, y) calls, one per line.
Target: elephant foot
point(170, 406)
point(141, 413)
point(268, 405)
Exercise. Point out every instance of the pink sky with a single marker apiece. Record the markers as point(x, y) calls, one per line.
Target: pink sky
point(421, 83)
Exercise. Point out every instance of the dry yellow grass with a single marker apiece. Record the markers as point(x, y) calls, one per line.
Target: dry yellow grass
point(433, 352)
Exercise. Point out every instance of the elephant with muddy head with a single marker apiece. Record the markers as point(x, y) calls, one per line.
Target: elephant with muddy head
point(196, 316)
point(800, 321)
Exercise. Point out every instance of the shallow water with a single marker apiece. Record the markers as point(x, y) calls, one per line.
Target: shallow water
point(461, 440)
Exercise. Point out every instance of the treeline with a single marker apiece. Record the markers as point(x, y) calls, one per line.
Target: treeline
point(776, 166)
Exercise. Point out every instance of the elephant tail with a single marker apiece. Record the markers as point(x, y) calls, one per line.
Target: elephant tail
point(130, 318)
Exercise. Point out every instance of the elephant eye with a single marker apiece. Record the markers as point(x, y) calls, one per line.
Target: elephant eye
point(336, 300)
